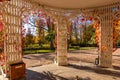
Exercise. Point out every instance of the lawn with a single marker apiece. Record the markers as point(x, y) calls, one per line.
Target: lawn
point(37, 51)
point(34, 51)
point(81, 48)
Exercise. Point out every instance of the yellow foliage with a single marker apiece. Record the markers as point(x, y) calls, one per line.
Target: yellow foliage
point(37, 38)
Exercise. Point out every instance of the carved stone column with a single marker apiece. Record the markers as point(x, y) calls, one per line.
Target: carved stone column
point(62, 41)
point(106, 45)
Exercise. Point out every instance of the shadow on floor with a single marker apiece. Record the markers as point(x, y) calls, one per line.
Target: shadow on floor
point(47, 75)
point(97, 70)
point(116, 67)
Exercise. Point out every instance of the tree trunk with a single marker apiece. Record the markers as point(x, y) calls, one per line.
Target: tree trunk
point(52, 45)
point(76, 34)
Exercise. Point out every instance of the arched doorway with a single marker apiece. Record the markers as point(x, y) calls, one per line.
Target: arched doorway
point(40, 41)
point(86, 47)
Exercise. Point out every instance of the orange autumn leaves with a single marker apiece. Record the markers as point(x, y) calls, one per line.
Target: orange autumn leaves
point(116, 30)
point(97, 33)
point(2, 54)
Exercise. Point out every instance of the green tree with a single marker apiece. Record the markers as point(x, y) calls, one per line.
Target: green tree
point(29, 38)
point(51, 32)
point(50, 37)
point(89, 35)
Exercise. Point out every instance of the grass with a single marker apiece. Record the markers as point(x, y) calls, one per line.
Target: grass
point(81, 48)
point(50, 51)
point(37, 51)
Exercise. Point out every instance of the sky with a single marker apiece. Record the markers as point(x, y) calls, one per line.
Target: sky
point(33, 29)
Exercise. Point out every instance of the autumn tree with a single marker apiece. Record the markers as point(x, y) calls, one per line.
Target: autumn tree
point(51, 33)
point(29, 38)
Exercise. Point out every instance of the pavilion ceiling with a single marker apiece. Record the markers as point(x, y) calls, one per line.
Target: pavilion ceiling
point(76, 3)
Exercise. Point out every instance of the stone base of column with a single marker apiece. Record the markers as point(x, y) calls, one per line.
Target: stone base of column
point(106, 62)
point(62, 60)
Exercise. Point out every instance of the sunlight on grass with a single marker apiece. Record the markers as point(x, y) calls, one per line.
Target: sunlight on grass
point(37, 51)
point(82, 48)
point(50, 51)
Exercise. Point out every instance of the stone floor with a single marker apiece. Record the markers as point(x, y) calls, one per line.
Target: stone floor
point(76, 71)
point(41, 67)
point(79, 71)
point(74, 56)
point(81, 67)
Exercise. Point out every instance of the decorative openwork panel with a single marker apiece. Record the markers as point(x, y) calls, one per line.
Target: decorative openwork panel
point(106, 38)
point(62, 41)
point(12, 39)
point(11, 17)
point(12, 11)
